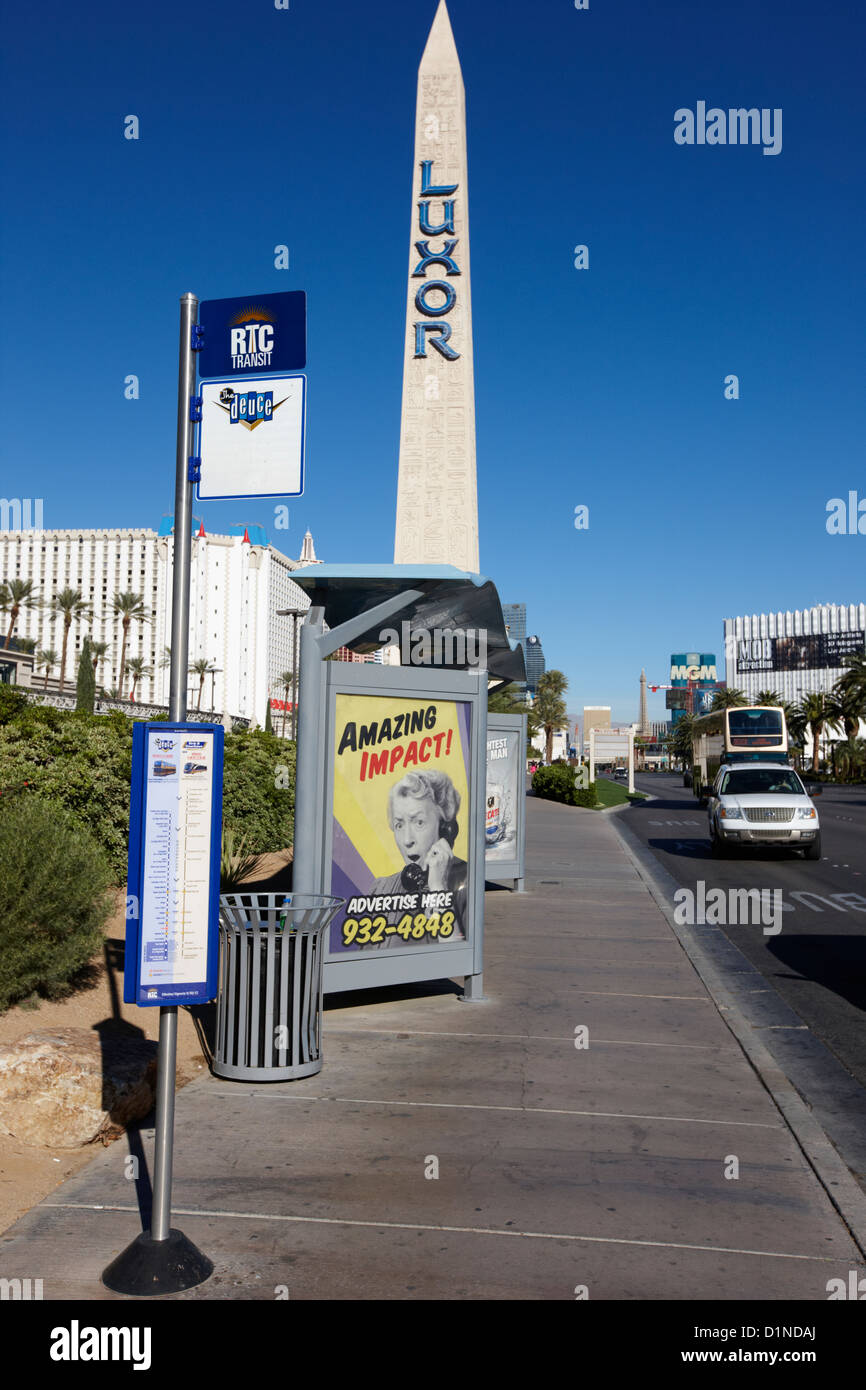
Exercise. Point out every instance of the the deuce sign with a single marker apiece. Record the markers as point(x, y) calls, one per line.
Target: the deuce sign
point(438, 332)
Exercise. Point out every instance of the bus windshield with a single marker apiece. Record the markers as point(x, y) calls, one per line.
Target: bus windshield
point(755, 729)
point(747, 723)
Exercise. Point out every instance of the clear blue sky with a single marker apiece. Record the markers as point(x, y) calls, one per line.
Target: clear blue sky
point(602, 387)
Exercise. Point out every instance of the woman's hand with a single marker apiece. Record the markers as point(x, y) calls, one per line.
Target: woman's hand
point(439, 858)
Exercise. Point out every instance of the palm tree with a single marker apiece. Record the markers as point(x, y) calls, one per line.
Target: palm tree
point(549, 706)
point(679, 740)
point(97, 651)
point(46, 659)
point(136, 665)
point(847, 706)
point(16, 594)
point(728, 698)
point(70, 605)
point(165, 659)
point(768, 697)
point(817, 714)
point(285, 679)
point(794, 723)
point(849, 759)
point(853, 682)
point(850, 692)
point(509, 700)
point(127, 606)
point(200, 668)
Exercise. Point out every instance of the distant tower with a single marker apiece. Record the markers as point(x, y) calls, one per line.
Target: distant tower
point(643, 722)
point(437, 493)
point(308, 552)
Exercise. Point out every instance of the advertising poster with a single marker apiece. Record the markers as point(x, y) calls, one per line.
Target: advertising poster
point(504, 767)
point(401, 816)
point(818, 651)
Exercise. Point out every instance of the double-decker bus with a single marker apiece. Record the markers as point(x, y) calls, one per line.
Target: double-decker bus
point(740, 734)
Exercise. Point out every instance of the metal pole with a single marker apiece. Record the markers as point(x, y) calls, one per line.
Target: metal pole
point(306, 862)
point(295, 663)
point(167, 1056)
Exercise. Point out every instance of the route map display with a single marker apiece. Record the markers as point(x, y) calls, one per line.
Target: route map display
point(175, 833)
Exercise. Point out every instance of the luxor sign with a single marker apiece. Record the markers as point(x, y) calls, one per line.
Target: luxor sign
point(437, 332)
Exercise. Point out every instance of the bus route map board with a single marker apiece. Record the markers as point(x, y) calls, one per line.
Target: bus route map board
point(175, 832)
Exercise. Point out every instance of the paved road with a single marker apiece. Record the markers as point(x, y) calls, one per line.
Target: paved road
point(817, 962)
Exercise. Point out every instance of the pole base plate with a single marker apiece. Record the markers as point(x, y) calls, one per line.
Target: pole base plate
point(148, 1266)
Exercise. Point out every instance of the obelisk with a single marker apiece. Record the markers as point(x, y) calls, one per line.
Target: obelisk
point(437, 496)
point(643, 724)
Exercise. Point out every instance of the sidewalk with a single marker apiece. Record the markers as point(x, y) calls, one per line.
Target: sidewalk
point(558, 1166)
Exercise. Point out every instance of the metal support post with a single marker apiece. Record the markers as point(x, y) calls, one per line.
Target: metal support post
point(162, 1260)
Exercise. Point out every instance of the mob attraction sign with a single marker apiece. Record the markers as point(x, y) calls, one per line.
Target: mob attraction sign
point(811, 652)
point(175, 831)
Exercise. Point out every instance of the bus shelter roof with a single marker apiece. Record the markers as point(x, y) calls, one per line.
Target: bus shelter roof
point(436, 596)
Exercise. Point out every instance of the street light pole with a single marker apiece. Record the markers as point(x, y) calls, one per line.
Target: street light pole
point(294, 614)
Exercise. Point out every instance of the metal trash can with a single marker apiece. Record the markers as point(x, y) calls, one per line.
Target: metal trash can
point(269, 1000)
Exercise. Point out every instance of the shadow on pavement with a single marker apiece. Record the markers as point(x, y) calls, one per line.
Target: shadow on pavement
point(353, 998)
point(836, 962)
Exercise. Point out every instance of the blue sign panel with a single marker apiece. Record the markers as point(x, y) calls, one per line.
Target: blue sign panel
point(173, 881)
point(259, 335)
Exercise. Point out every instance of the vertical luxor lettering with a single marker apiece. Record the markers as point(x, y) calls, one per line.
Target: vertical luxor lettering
point(441, 332)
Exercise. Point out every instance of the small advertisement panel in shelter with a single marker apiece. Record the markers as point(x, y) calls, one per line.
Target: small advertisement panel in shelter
point(504, 767)
point(401, 852)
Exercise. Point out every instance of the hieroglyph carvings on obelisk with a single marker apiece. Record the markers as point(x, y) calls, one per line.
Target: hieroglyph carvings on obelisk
point(437, 497)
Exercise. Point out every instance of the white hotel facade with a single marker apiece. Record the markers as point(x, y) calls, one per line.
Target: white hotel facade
point(796, 652)
point(238, 585)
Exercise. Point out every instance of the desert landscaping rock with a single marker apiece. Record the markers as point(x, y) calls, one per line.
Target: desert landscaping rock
point(66, 1087)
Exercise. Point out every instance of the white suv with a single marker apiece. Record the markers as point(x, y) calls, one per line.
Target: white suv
point(763, 804)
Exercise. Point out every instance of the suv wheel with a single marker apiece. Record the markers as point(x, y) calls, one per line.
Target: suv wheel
point(813, 851)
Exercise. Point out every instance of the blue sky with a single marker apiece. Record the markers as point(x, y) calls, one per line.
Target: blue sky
point(603, 387)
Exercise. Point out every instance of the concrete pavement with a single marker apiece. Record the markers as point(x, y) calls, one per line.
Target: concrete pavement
point(560, 1168)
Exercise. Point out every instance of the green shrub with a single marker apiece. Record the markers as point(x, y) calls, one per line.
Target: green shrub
point(78, 762)
point(557, 783)
point(54, 898)
point(259, 790)
point(12, 702)
point(84, 763)
point(586, 796)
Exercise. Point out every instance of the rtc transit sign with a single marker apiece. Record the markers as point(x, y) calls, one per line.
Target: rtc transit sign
point(263, 334)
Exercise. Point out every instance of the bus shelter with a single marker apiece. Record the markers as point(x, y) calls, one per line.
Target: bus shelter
point(390, 798)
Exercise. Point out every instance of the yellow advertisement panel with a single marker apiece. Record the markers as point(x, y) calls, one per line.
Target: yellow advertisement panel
point(401, 822)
